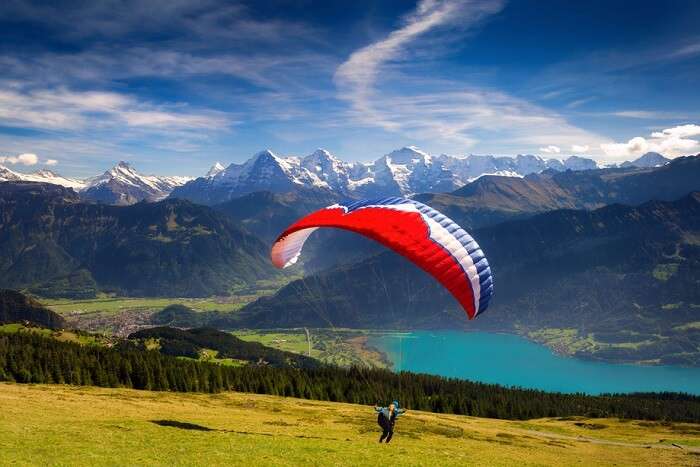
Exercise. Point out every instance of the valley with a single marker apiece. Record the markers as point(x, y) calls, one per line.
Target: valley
point(560, 228)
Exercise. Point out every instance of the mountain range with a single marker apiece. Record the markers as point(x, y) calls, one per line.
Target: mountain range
point(121, 185)
point(486, 201)
point(404, 172)
point(489, 199)
point(40, 176)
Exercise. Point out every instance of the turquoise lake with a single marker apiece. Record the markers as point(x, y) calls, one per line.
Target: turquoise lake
point(514, 361)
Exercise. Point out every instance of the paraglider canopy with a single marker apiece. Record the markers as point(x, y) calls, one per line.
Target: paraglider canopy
point(420, 233)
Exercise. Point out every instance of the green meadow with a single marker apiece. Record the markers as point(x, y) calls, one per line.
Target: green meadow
point(64, 425)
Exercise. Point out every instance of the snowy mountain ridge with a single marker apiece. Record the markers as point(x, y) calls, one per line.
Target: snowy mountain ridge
point(403, 172)
point(123, 185)
point(41, 176)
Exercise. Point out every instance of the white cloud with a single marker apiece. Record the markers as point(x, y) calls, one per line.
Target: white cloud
point(50, 162)
point(23, 159)
point(682, 131)
point(671, 142)
point(579, 148)
point(551, 149)
point(635, 146)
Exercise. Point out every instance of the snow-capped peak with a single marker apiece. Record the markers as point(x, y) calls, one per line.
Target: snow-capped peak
point(123, 173)
point(408, 155)
point(8, 175)
point(323, 161)
point(265, 155)
point(122, 184)
point(321, 157)
point(327, 171)
point(215, 169)
point(320, 152)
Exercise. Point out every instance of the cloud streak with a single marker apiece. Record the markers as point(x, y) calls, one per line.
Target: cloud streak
point(443, 110)
point(356, 77)
point(64, 109)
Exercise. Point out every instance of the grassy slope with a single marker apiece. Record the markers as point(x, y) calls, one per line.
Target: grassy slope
point(65, 336)
point(63, 425)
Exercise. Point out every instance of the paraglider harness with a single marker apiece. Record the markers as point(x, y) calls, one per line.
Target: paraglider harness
point(387, 419)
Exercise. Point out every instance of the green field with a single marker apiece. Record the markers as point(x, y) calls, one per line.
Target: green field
point(342, 347)
point(63, 425)
point(108, 304)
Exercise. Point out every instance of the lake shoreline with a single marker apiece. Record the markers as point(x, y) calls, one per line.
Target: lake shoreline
point(556, 349)
point(557, 369)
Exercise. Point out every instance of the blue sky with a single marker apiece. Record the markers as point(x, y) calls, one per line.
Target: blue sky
point(174, 86)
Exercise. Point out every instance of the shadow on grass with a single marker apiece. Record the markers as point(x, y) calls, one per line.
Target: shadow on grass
point(182, 425)
point(195, 427)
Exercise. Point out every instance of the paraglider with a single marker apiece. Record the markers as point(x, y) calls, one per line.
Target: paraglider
point(386, 418)
point(416, 231)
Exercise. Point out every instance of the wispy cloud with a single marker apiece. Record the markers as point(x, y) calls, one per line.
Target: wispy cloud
point(185, 22)
point(579, 102)
point(64, 109)
point(235, 65)
point(369, 81)
point(641, 114)
point(688, 50)
point(357, 76)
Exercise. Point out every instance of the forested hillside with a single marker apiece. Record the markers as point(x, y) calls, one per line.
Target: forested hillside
point(171, 248)
point(192, 342)
point(18, 308)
